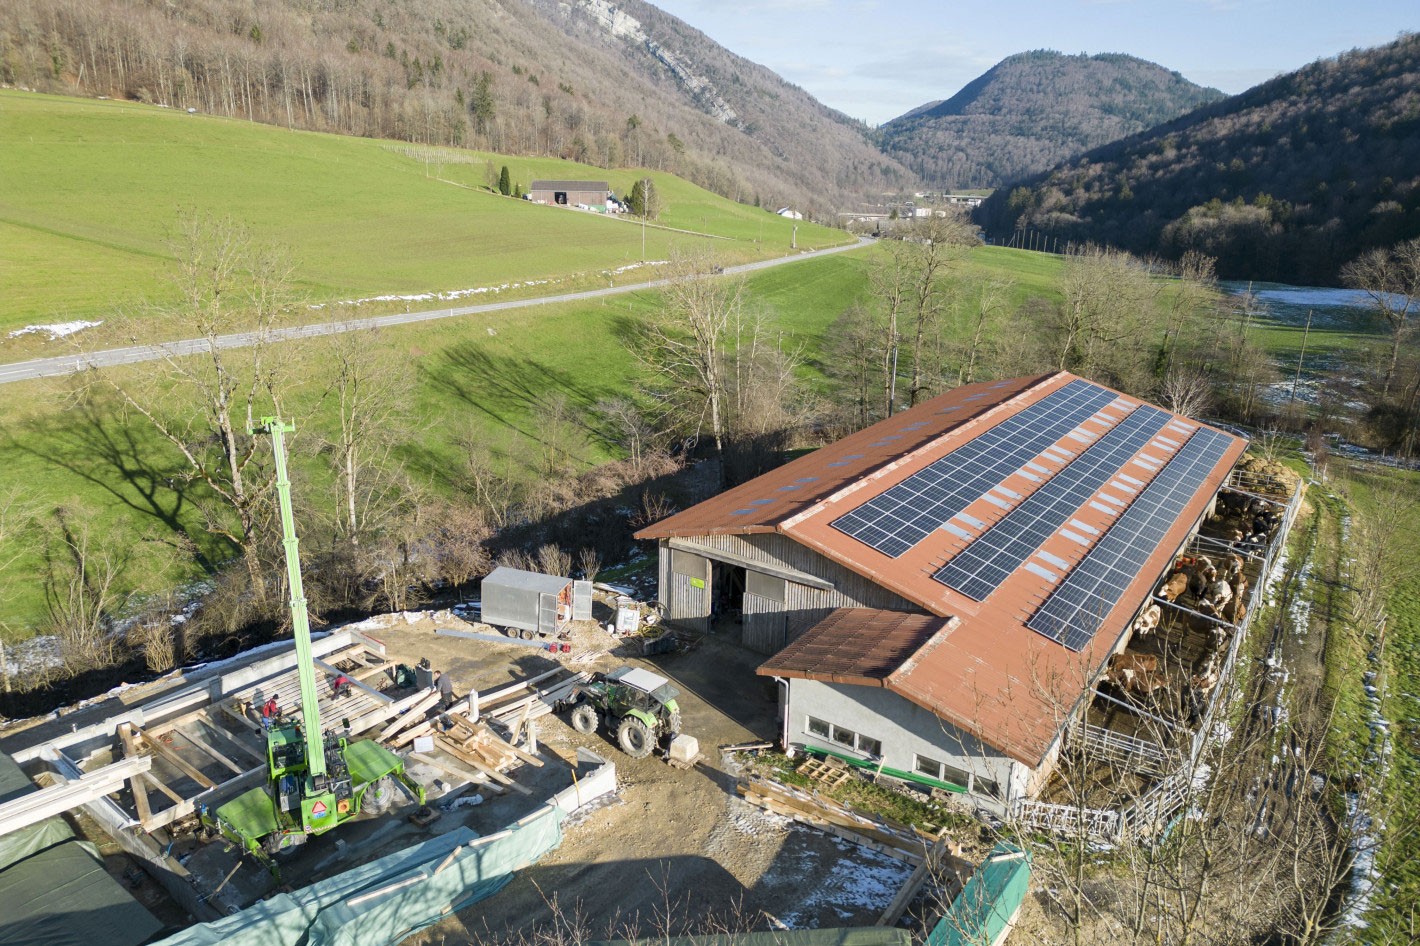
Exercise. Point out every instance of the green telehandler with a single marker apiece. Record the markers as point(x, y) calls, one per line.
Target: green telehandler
point(315, 780)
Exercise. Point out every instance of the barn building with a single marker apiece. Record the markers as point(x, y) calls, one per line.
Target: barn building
point(591, 194)
point(940, 591)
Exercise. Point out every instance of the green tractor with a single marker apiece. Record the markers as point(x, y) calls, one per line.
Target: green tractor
point(638, 705)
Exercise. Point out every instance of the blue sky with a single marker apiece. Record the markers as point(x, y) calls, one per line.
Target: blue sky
point(875, 59)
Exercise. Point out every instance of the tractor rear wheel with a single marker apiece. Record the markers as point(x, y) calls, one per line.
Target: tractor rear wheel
point(673, 723)
point(584, 719)
point(634, 738)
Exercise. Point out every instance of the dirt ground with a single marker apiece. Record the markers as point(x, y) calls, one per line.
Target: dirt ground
point(670, 841)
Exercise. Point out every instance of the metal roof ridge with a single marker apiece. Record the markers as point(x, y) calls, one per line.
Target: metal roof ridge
point(861, 482)
point(938, 637)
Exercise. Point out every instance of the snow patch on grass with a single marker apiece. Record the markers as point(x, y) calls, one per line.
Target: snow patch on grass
point(55, 330)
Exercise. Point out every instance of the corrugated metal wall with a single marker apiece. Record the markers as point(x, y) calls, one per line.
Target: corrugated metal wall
point(689, 583)
point(803, 605)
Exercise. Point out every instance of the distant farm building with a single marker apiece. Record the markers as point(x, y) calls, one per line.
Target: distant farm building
point(942, 592)
point(590, 195)
point(790, 213)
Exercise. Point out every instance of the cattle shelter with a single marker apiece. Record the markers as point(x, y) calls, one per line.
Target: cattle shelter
point(940, 592)
point(592, 194)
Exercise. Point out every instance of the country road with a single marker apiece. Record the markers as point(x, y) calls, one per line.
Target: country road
point(78, 361)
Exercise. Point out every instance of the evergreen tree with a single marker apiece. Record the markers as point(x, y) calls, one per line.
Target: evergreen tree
point(644, 201)
point(505, 182)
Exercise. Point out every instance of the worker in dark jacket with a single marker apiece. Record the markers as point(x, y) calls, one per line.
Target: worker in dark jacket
point(445, 684)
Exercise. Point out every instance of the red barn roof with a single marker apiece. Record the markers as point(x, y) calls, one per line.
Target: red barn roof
point(980, 505)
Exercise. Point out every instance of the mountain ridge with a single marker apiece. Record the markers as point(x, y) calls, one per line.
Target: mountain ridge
point(1274, 182)
point(1032, 110)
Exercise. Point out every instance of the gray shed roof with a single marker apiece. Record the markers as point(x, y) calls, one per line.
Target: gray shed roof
point(570, 186)
point(528, 581)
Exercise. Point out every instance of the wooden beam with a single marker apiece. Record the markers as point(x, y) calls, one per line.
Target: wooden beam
point(229, 739)
point(410, 716)
point(475, 778)
point(170, 755)
point(210, 752)
point(458, 752)
point(34, 807)
point(359, 684)
point(139, 784)
point(187, 806)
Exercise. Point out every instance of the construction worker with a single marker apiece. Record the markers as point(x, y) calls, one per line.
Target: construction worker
point(340, 688)
point(445, 683)
point(270, 712)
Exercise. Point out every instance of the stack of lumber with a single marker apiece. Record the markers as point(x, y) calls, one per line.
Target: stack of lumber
point(513, 713)
point(810, 808)
point(478, 746)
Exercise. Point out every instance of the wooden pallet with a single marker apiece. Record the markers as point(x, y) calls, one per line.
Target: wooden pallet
point(827, 771)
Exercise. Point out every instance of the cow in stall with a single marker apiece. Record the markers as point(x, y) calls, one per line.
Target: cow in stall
point(1173, 586)
point(1135, 673)
point(1215, 597)
point(1148, 621)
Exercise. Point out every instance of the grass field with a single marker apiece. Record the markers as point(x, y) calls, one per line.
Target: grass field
point(94, 189)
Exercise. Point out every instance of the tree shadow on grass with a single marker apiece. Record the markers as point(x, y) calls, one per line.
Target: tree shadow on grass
point(93, 442)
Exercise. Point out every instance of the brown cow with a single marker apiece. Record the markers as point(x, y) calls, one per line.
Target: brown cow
point(1173, 586)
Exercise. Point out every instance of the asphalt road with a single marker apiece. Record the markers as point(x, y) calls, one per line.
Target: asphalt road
point(78, 361)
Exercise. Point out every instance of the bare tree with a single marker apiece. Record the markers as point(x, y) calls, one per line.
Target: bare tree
point(983, 304)
point(684, 344)
point(205, 405)
point(1391, 277)
point(1186, 391)
point(371, 392)
point(82, 587)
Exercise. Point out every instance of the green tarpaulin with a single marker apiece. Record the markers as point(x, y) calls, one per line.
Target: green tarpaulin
point(852, 936)
point(54, 890)
point(982, 914)
point(386, 900)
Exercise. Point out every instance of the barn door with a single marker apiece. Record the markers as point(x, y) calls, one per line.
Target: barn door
point(689, 604)
point(765, 622)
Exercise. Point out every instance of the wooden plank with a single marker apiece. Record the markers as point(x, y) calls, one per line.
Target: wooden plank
point(172, 756)
point(187, 806)
point(475, 778)
point(373, 670)
point(909, 889)
point(463, 756)
point(334, 671)
point(409, 735)
point(493, 696)
point(229, 739)
point(410, 716)
point(139, 783)
point(209, 751)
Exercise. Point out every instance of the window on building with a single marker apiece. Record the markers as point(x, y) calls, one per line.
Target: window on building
point(940, 771)
point(987, 787)
point(844, 737)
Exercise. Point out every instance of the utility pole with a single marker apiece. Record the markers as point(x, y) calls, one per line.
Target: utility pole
point(1296, 379)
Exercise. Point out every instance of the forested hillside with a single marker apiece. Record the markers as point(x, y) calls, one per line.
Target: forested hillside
point(1287, 181)
point(1034, 110)
point(622, 85)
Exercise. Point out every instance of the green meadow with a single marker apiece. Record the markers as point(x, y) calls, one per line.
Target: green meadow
point(92, 191)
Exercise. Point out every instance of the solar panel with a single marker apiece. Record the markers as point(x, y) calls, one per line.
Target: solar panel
point(983, 565)
point(898, 518)
point(1073, 612)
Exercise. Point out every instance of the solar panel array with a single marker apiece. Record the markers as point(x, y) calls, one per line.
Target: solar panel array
point(900, 517)
point(1000, 550)
point(1073, 612)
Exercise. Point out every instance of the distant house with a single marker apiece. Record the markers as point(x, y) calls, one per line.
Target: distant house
point(789, 212)
point(586, 194)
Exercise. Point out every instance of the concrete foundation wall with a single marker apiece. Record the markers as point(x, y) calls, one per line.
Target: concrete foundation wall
point(905, 730)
